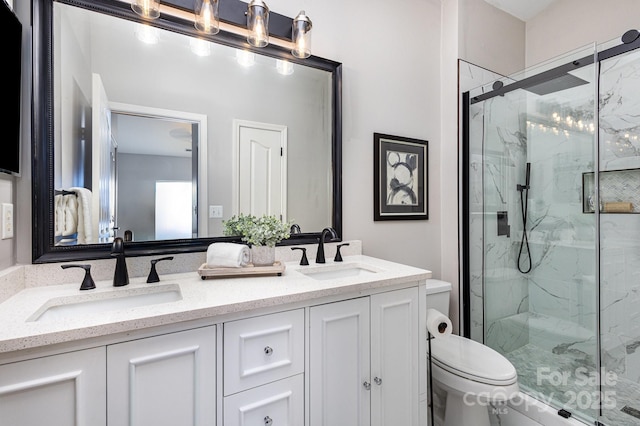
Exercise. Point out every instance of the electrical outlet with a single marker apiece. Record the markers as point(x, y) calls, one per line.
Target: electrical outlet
point(215, 212)
point(7, 221)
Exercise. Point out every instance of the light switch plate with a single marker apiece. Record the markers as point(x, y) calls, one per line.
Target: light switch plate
point(7, 221)
point(215, 212)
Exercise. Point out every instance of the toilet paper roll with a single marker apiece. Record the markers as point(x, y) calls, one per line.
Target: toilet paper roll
point(438, 324)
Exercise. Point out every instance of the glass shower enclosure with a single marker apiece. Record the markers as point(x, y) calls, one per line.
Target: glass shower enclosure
point(551, 203)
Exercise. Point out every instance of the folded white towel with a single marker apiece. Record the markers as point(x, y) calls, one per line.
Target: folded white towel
point(58, 215)
point(230, 255)
point(84, 217)
point(70, 223)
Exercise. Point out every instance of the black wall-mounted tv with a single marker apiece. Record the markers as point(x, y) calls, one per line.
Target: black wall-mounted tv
point(11, 97)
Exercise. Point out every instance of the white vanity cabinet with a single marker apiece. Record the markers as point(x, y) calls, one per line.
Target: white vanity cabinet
point(57, 390)
point(364, 357)
point(264, 370)
point(294, 350)
point(163, 380)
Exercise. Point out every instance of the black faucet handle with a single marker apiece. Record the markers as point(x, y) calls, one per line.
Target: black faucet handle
point(153, 274)
point(338, 257)
point(87, 282)
point(303, 260)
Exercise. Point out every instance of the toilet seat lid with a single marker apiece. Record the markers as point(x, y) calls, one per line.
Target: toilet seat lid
point(472, 360)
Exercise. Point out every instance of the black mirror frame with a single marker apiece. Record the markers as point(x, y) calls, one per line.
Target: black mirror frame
point(42, 162)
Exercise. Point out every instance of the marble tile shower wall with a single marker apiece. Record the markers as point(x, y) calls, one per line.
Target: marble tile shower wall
point(562, 285)
point(503, 167)
point(472, 78)
point(620, 233)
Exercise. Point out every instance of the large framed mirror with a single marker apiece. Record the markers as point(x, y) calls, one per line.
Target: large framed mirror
point(156, 133)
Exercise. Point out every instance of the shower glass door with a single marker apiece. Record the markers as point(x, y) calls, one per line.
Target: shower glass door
point(531, 148)
point(619, 185)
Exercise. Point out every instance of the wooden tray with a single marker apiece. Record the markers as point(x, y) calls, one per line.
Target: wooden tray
point(247, 271)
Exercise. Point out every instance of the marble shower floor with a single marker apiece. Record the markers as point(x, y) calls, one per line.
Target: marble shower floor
point(565, 378)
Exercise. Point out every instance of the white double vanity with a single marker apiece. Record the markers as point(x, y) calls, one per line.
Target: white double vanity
point(333, 344)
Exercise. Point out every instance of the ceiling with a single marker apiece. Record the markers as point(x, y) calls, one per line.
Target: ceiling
point(521, 9)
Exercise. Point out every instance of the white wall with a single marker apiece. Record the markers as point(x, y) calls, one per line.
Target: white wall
point(17, 190)
point(490, 38)
point(479, 33)
point(390, 53)
point(569, 24)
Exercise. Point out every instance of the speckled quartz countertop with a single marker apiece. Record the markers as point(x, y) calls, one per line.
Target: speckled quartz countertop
point(201, 299)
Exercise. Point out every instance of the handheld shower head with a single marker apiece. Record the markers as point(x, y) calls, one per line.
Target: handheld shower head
point(527, 179)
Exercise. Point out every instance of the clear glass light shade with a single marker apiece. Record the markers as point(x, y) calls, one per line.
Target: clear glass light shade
point(206, 16)
point(149, 9)
point(258, 23)
point(301, 36)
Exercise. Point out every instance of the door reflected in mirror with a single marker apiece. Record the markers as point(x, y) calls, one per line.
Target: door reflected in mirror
point(130, 115)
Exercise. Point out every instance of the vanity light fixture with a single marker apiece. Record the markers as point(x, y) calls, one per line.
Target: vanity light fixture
point(301, 36)
point(207, 19)
point(258, 23)
point(148, 9)
point(284, 67)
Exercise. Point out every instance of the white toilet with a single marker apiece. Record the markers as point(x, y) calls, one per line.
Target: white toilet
point(469, 375)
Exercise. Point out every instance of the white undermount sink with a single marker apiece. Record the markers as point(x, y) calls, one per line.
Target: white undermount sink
point(337, 271)
point(86, 304)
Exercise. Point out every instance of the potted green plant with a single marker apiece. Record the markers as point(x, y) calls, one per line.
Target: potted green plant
point(261, 233)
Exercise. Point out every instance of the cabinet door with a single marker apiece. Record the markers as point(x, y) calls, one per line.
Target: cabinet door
point(165, 380)
point(280, 403)
point(395, 358)
point(339, 364)
point(59, 390)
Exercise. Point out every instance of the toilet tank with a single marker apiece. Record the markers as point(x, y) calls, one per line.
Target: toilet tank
point(438, 295)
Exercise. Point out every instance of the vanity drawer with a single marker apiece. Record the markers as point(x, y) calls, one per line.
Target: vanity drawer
point(263, 349)
point(277, 403)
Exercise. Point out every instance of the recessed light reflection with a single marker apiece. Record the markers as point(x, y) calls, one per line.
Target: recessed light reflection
point(147, 34)
point(284, 67)
point(200, 47)
point(245, 58)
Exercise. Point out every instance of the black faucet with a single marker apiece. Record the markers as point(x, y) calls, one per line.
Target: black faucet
point(120, 276)
point(295, 229)
point(323, 236)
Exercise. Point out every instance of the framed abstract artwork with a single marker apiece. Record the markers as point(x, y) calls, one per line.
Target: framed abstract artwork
point(400, 172)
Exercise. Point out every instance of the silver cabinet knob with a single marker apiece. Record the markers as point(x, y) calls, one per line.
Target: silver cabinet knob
point(268, 350)
point(378, 380)
point(268, 421)
point(367, 385)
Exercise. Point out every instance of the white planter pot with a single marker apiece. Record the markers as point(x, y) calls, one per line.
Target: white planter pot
point(263, 255)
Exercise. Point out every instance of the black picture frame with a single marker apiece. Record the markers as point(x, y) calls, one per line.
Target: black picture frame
point(400, 173)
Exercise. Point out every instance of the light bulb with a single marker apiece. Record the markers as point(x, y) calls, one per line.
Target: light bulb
point(258, 23)
point(260, 32)
point(149, 9)
point(206, 16)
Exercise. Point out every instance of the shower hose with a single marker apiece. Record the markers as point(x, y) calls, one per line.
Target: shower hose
point(524, 242)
